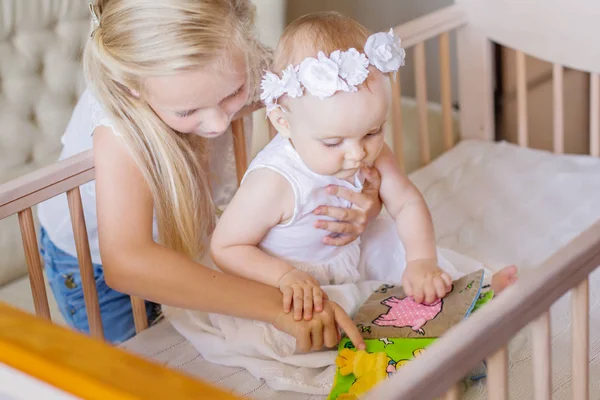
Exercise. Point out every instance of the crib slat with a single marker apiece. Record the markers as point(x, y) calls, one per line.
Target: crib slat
point(497, 384)
point(558, 109)
point(140, 318)
point(521, 99)
point(542, 372)
point(580, 340)
point(90, 294)
point(421, 86)
point(446, 89)
point(453, 393)
point(595, 115)
point(239, 148)
point(34, 265)
point(397, 135)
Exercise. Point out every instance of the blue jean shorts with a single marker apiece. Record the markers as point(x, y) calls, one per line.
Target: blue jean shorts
point(62, 271)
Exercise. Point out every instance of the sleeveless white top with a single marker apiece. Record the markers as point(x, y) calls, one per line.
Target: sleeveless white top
point(297, 240)
point(87, 115)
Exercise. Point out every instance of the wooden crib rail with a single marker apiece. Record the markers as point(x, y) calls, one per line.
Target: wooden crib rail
point(89, 369)
point(20, 195)
point(486, 333)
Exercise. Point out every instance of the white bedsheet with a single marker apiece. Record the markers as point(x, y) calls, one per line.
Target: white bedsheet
point(494, 202)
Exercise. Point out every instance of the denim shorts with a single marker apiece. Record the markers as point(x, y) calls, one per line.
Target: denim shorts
point(62, 272)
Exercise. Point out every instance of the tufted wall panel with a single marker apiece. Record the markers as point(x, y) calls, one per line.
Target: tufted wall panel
point(41, 42)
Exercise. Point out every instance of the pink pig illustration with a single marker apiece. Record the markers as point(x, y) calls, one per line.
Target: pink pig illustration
point(408, 313)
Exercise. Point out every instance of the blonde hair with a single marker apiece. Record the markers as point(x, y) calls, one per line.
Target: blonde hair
point(137, 39)
point(324, 31)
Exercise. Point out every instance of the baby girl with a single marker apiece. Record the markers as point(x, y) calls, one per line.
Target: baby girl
point(329, 100)
point(329, 97)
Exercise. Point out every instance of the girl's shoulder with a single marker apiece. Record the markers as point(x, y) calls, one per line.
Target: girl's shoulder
point(87, 115)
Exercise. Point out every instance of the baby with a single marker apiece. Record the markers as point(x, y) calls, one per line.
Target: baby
point(329, 97)
point(329, 102)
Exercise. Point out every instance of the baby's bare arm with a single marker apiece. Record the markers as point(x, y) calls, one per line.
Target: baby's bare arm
point(264, 200)
point(407, 207)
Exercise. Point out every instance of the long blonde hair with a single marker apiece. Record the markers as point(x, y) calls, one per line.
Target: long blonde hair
point(137, 39)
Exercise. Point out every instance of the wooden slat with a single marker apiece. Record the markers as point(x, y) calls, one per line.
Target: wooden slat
point(580, 340)
point(558, 109)
point(446, 90)
point(140, 317)
point(475, 72)
point(239, 148)
point(463, 347)
point(421, 88)
point(431, 25)
point(498, 375)
point(87, 368)
point(542, 371)
point(88, 280)
point(272, 130)
point(595, 115)
point(523, 138)
point(34, 264)
point(397, 134)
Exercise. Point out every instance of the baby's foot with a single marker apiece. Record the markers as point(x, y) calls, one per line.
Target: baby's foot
point(504, 278)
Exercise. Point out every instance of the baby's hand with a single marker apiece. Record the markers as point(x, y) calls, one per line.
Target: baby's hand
point(303, 291)
point(425, 281)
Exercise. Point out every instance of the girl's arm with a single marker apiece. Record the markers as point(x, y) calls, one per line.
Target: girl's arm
point(407, 207)
point(133, 263)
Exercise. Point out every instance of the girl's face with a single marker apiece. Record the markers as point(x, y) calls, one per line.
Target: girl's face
point(337, 135)
point(202, 101)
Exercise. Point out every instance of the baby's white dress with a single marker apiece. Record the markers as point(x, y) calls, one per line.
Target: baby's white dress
point(348, 274)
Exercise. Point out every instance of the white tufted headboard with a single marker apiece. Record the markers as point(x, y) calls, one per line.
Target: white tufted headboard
point(40, 81)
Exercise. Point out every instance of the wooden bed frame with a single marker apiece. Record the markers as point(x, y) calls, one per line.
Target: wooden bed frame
point(559, 32)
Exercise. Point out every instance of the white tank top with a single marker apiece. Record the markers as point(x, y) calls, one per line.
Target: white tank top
point(297, 240)
point(87, 115)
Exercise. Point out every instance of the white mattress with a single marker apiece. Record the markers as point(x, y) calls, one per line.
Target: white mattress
point(492, 201)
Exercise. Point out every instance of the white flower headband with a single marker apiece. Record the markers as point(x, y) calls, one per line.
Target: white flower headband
point(342, 70)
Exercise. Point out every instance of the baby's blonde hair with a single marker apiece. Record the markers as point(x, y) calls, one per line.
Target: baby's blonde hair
point(138, 39)
point(324, 31)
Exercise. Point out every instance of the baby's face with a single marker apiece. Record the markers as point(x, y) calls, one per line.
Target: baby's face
point(339, 134)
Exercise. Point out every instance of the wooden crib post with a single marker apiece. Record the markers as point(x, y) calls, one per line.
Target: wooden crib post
point(34, 265)
point(542, 371)
point(558, 109)
point(580, 340)
point(239, 148)
point(523, 138)
point(140, 317)
point(421, 89)
point(88, 280)
point(595, 115)
point(497, 384)
point(446, 89)
point(397, 134)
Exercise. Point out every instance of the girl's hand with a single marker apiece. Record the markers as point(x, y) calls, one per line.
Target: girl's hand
point(425, 281)
point(322, 330)
point(351, 222)
point(303, 291)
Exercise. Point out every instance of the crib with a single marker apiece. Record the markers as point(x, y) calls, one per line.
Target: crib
point(498, 202)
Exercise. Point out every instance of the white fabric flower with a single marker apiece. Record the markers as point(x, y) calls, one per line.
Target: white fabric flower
point(271, 88)
point(290, 83)
point(320, 76)
point(384, 51)
point(353, 66)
